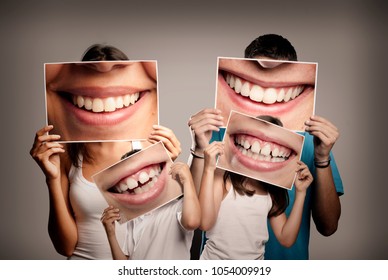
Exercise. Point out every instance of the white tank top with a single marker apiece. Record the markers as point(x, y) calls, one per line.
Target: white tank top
point(240, 232)
point(88, 204)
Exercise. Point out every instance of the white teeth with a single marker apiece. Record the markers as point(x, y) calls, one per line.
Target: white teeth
point(237, 85)
point(255, 147)
point(260, 94)
point(109, 104)
point(281, 95)
point(263, 153)
point(80, 101)
point(245, 89)
point(131, 183)
point(138, 190)
point(270, 96)
point(275, 152)
point(98, 105)
point(246, 145)
point(88, 103)
point(266, 150)
point(257, 93)
point(119, 102)
point(143, 177)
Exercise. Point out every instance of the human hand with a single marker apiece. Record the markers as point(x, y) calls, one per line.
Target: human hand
point(180, 172)
point(168, 138)
point(108, 219)
point(210, 154)
point(325, 135)
point(202, 124)
point(46, 152)
point(304, 178)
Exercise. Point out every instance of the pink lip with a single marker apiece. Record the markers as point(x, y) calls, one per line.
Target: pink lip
point(101, 92)
point(256, 108)
point(257, 165)
point(143, 198)
point(105, 118)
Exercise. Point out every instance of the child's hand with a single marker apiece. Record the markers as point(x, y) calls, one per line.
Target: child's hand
point(210, 154)
point(168, 138)
point(181, 172)
point(108, 219)
point(303, 177)
point(46, 152)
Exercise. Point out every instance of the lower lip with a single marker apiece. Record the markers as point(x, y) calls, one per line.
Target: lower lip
point(143, 198)
point(257, 165)
point(104, 118)
point(259, 108)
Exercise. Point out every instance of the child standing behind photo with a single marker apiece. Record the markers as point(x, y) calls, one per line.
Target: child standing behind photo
point(235, 210)
point(163, 234)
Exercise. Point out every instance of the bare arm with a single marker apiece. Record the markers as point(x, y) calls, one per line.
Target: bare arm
point(326, 205)
point(61, 225)
point(202, 124)
point(191, 211)
point(211, 188)
point(286, 229)
point(108, 219)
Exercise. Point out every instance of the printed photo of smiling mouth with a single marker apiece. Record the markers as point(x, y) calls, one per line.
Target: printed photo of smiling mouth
point(139, 183)
point(286, 91)
point(260, 150)
point(102, 101)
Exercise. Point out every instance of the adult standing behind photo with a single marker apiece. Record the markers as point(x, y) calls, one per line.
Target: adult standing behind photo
point(76, 203)
point(322, 198)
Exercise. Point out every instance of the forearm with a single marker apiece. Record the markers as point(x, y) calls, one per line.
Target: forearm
point(291, 227)
point(191, 210)
point(117, 253)
point(206, 200)
point(326, 206)
point(196, 169)
point(61, 225)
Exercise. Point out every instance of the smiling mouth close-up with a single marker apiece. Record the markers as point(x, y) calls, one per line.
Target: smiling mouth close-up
point(265, 94)
point(140, 187)
point(103, 106)
point(259, 154)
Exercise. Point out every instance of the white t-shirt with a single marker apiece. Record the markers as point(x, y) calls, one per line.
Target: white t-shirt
point(240, 232)
point(159, 235)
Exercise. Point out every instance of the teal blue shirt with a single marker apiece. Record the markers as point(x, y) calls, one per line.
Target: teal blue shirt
point(300, 250)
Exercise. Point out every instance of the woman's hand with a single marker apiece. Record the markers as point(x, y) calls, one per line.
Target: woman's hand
point(45, 151)
point(168, 138)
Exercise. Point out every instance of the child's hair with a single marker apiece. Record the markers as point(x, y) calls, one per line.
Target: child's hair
point(96, 52)
point(124, 156)
point(278, 195)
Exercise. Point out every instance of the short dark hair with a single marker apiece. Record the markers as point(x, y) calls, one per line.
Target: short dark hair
point(100, 52)
point(272, 46)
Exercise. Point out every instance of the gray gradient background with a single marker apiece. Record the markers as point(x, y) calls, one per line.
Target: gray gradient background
point(348, 39)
